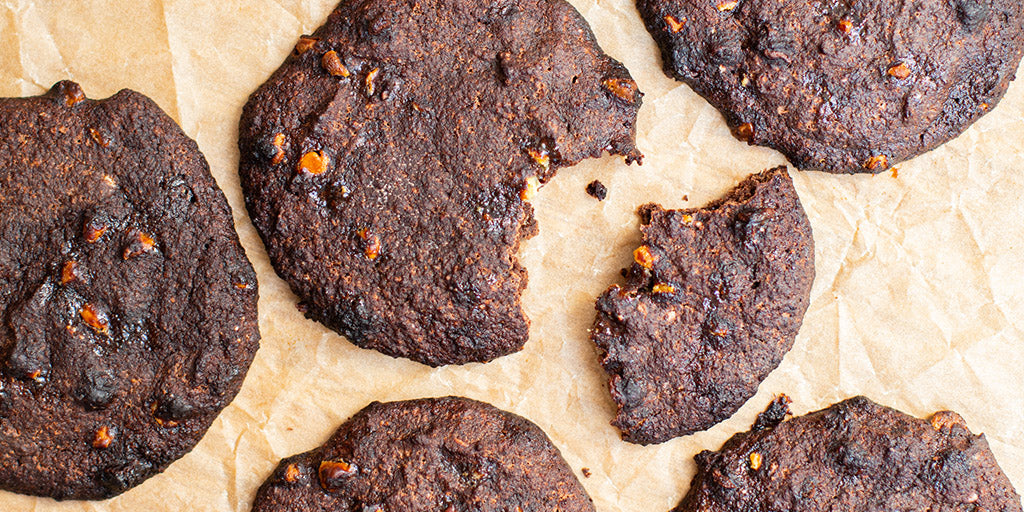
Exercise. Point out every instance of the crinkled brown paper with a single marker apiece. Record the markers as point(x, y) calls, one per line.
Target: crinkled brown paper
point(918, 302)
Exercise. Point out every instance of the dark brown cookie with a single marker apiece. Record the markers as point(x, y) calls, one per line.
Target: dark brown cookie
point(127, 306)
point(855, 455)
point(842, 86)
point(388, 163)
point(431, 455)
point(710, 306)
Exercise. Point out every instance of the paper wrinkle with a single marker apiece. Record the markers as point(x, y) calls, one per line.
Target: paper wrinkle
point(27, 14)
point(174, 56)
point(918, 300)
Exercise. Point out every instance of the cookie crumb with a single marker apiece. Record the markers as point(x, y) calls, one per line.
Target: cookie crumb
point(597, 190)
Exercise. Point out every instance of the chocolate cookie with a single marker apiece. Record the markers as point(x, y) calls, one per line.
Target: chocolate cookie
point(127, 306)
point(431, 455)
point(710, 306)
point(855, 455)
point(844, 87)
point(388, 163)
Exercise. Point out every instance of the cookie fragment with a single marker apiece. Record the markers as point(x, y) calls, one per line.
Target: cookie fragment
point(711, 304)
point(123, 326)
point(429, 455)
point(597, 190)
point(854, 455)
point(432, 124)
point(843, 87)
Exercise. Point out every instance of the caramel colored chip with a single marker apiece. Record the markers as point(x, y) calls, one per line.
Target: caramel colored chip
point(141, 244)
point(663, 288)
point(73, 95)
point(102, 439)
point(98, 137)
point(291, 473)
point(900, 70)
point(279, 145)
point(745, 132)
point(333, 470)
point(642, 255)
point(877, 163)
point(94, 230)
point(94, 319)
point(727, 5)
point(623, 88)
point(371, 86)
point(946, 419)
point(314, 162)
point(67, 273)
point(372, 247)
point(332, 63)
point(673, 24)
point(305, 44)
point(755, 461)
point(529, 191)
point(541, 157)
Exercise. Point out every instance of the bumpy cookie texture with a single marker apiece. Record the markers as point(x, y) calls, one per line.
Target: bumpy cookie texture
point(127, 306)
point(388, 163)
point(431, 455)
point(711, 304)
point(854, 455)
point(842, 86)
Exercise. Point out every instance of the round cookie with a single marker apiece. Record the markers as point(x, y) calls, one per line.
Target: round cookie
point(710, 306)
point(389, 161)
point(127, 306)
point(432, 455)
point(842, 87)
point(854, 455)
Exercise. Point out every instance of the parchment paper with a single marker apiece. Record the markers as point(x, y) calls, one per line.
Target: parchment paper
point(918, 302)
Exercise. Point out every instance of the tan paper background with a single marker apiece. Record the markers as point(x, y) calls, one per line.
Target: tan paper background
point(918, 302)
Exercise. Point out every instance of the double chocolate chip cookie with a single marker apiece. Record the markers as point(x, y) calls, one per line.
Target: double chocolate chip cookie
point(711, 304)
point(854, 455)
point(842, 86)
point(127, 306)
point(431, 455)
point(388, 163)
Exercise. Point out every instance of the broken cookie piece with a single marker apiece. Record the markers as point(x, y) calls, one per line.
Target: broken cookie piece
point(711, 304)
point(429, 455)
point(389, 162)
point(854, 455)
